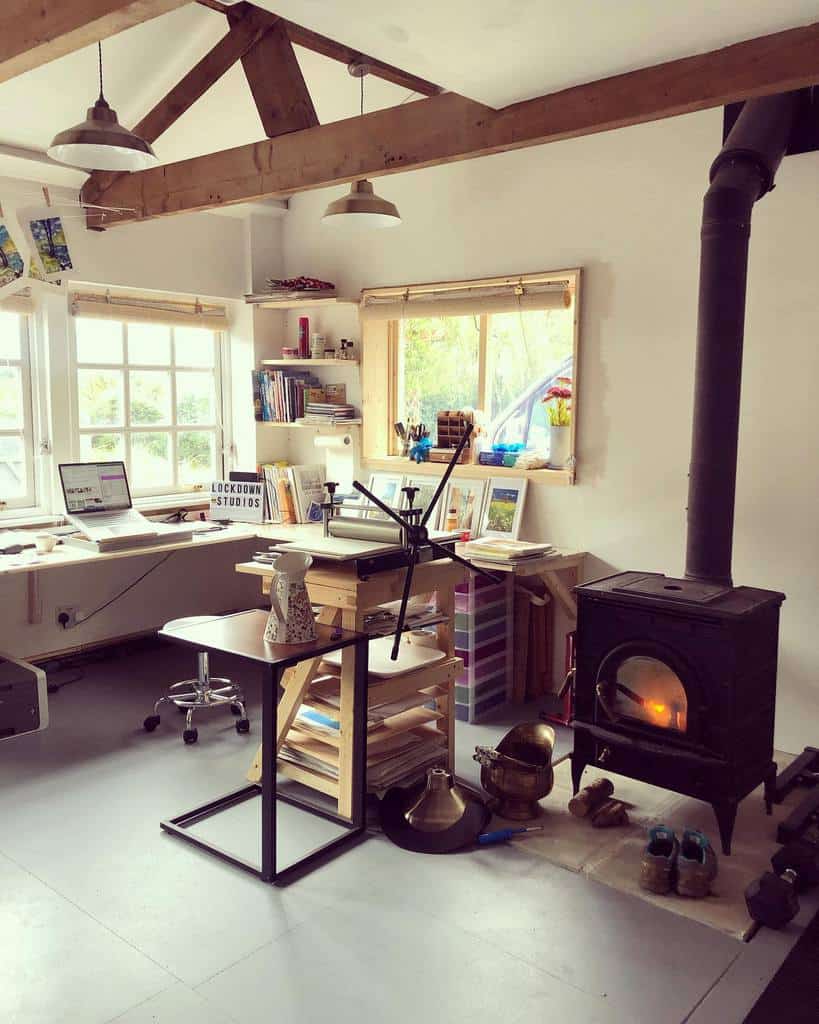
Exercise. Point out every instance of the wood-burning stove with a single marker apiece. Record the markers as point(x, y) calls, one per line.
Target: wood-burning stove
point(675, 680)
point(675, 684)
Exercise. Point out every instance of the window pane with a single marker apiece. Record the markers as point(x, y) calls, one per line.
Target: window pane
point(101, 447)
point(149, 344)
point(526, 353)
point(11, 398)
point(9, 336)
point(151, 465)
point(13, 483)
point(150, 397)
point(100, 394)
point(195, 398)
point(196, 455)
point(98, 341)
point(440, 367)
point(195, 346)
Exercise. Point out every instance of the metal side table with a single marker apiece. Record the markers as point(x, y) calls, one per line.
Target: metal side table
point(242, 635)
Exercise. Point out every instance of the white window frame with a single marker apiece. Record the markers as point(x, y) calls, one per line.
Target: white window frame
point(10, 507)
point(220, 427)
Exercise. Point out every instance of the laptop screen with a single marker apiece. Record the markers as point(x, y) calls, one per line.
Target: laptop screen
point(95, 487)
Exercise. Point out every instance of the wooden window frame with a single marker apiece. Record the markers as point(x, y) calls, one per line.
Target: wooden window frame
point(380, 382)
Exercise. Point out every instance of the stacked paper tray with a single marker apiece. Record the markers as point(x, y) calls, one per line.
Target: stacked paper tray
point(483, 640)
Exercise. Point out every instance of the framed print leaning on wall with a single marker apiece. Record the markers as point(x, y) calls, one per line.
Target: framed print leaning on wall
point(503, 508)
point(387, 487)
point(426, 489)
point(465, 499)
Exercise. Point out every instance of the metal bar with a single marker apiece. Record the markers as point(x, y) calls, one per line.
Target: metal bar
point(308, 805)
point(446, 553)
point(360, 699)
point(402, 611)
point(439, 490)
point(379, 503)
point(270, 728)
point(217, 851)
point(221, 803)
point(295, 871)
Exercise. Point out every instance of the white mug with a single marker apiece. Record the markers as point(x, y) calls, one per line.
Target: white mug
point(45, 543)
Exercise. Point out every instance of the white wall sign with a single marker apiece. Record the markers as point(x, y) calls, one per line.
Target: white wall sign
point(239, 500)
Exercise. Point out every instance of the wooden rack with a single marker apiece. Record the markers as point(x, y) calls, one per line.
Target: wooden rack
point(345, 601)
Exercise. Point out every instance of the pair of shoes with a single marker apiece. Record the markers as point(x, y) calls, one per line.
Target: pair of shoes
point(689, 866)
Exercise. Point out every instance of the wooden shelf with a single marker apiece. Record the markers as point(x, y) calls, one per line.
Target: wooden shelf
point(336, 425)
point(312, 302)
point(310, 362)
point(397, 464)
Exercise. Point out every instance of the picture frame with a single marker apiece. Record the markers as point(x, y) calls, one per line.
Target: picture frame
point(387, 487)
point(426, 488)
point(503, 507)
point(466, 496)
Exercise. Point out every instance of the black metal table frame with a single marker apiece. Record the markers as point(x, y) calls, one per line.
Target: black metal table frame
point(268, 790)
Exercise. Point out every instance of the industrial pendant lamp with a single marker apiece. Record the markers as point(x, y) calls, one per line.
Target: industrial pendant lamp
point(100, 143)
point(361, 205)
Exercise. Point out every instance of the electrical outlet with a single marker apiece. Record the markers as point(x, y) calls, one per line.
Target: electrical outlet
point(67, 616)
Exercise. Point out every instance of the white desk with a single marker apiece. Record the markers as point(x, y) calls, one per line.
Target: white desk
point(66, 556)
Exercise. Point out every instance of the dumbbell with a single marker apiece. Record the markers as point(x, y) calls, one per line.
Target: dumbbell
point(802, 857)
point(772, 899)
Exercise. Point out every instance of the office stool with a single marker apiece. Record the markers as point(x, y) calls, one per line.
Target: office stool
point(201, 694)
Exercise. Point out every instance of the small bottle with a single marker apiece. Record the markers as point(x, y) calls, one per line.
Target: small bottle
point(452, 519)
point(317, 343)
point(304, 337)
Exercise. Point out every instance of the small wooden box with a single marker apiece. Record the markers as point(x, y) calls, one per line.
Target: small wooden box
point(451, 426)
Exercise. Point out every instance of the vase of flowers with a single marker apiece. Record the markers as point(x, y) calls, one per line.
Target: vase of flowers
point(558, 402)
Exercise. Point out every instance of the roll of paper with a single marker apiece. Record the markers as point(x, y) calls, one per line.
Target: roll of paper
point(365, 529)
point(339, 458)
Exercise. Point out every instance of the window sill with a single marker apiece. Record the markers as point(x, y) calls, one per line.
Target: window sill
point(21, 518)
point(398, 464)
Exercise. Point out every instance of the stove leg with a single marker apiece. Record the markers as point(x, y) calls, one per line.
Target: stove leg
point(578, 767)
point(726, 814)
point(770, 789)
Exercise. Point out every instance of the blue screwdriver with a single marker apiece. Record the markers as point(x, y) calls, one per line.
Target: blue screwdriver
point(502, 834)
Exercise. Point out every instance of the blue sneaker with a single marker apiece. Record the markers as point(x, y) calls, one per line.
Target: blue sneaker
point(696, 865)
point(658, 866)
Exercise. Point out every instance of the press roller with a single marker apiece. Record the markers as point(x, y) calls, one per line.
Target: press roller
point(365, 529)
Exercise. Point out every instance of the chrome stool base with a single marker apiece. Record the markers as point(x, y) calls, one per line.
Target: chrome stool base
point(201, 695)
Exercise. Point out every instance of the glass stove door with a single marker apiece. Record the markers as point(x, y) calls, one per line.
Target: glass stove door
point(646, 690)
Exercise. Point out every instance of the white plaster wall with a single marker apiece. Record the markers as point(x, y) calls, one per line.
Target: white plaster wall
point(199, 255)
point(626, 206)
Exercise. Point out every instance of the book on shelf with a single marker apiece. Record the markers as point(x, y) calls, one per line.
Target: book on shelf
point(279, 395)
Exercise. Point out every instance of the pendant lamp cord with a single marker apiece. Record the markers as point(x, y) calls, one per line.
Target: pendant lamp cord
point(361, 80)
point(99, 48)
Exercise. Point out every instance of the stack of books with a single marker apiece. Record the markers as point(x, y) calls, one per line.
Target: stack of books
point(328, 412)
point(497, 549)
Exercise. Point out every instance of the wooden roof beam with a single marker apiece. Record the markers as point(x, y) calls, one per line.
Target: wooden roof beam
point(318, 43)
point(445, 128)
point(34, 32)
point(275, 79)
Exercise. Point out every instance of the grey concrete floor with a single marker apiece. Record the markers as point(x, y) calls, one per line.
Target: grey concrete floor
point(103, 917)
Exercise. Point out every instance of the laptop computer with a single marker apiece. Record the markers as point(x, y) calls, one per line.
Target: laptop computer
point(98, 502)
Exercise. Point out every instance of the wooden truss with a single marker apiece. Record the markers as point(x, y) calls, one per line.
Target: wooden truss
point(299, 154)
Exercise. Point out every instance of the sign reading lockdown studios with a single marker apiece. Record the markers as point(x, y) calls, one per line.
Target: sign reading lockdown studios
point(240, 501)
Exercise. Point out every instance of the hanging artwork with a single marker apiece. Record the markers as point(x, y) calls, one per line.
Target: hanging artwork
point(49, 236)
point(12, 261)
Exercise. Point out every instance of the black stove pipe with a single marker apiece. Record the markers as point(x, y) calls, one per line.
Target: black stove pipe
point(741, 174)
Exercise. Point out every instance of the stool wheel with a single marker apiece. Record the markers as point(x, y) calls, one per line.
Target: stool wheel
point(190, 735)
point(243, 725)
point(150, 723)
point(236, 709)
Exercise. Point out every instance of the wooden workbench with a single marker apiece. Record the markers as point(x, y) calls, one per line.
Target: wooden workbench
point(345, 601)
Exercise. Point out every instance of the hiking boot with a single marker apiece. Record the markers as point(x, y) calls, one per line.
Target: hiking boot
point(659, 861)
point(696, 865)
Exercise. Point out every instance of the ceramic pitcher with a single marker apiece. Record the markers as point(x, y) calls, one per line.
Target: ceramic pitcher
point(291, 617)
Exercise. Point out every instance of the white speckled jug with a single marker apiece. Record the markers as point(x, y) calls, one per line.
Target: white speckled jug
point(291, 618)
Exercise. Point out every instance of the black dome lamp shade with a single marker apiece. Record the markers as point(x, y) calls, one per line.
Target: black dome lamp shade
point(100, 143)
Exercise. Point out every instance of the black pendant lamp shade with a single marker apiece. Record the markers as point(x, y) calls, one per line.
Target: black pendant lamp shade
point(100, 143)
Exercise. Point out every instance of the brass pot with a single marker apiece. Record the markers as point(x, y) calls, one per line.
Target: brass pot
point(518, 772)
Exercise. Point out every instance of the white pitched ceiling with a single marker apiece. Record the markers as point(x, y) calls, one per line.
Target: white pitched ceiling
point(494, 52)
point(502, 51)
